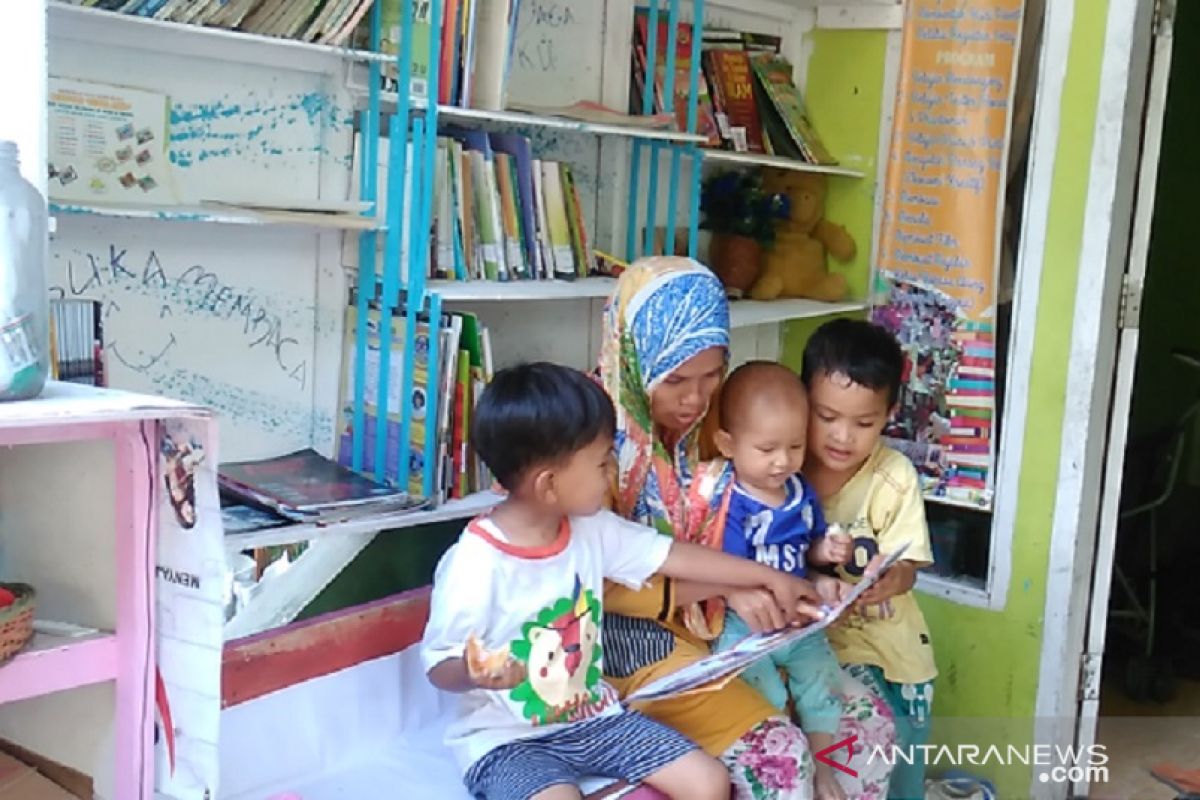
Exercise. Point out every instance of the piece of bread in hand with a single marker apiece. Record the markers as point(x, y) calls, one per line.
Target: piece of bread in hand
point(482, 663)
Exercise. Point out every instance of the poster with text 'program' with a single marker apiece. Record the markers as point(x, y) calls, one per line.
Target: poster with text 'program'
point(939, 244)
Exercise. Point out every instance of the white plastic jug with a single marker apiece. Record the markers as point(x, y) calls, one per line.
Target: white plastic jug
point(24, 301)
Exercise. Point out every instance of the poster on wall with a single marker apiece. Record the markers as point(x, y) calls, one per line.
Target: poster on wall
point(190, 602)
point(108, 144)
point(939, 244)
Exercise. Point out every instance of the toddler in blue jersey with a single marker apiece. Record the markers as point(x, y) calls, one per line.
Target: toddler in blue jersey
point(775, 518)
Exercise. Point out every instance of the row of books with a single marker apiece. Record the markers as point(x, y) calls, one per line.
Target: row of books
point(329, 22)
point(440, 403)
point(476, 41)
point(499, 213)
point(77, 341)
point(747, 100)
point(502, 214)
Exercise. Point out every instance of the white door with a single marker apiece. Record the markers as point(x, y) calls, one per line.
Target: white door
point(1127, 348)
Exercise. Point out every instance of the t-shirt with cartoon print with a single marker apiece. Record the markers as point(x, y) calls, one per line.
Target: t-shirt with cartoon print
point(545, 604)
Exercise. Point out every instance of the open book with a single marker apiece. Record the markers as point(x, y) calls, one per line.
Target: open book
point(710, 674)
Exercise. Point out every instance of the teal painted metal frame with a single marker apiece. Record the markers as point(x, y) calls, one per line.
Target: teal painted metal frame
point(693, 152)
point(383, 288)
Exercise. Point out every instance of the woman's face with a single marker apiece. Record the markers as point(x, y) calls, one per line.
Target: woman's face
point(681, 398)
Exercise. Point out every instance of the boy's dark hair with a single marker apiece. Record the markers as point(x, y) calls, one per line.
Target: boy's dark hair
point(534, 414)
point(865, 353)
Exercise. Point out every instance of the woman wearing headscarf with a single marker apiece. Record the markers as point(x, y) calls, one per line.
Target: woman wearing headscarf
point(664, 353)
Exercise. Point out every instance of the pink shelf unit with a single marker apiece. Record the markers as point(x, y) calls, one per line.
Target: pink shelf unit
point(68, 413)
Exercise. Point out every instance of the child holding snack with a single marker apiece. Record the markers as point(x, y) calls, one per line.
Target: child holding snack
point(774, 518)
point(527, 580)
point(852, 370)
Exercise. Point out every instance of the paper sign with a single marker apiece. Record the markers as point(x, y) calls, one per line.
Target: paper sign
point(940, 236)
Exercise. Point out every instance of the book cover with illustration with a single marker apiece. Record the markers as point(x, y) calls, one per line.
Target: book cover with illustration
point(397, 413)
point(774, 76)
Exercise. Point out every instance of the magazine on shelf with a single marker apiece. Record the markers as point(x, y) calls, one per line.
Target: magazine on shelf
point(305, 486)
point(713, 672)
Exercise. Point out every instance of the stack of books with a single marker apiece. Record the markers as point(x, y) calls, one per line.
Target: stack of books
point(499, 213)
point(747, 100)
point(304, 486)
point(464, 367)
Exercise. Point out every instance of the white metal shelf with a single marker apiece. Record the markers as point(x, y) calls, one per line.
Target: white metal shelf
point(221, 214)
point(463, 508)
point(499, 291)
point(470, 117)
point(98, 26)
point(778, 162)
point(743, 313)
point(748, 313)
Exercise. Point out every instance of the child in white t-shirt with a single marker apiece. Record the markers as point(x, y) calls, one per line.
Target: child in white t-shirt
point(527, 581)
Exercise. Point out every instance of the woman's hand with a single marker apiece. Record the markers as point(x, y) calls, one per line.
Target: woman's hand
point(798, 596)
point(757, 608)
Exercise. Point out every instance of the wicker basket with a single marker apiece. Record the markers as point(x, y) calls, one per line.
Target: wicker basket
point(16, 621)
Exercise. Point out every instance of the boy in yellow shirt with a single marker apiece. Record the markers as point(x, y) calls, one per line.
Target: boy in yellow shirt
point(852, 370)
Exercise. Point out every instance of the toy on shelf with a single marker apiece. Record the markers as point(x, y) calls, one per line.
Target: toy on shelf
point(796, 264)
point(742, 217)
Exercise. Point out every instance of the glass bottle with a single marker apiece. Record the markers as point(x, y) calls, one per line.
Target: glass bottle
point(24, 299)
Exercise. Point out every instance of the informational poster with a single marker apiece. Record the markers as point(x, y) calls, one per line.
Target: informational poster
point(108, 144)
point(939, 246)
point(189, 595)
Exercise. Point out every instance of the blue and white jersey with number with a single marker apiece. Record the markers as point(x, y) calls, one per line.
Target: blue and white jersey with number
point(777, 536)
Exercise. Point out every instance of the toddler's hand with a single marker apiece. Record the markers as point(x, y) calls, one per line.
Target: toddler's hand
point(509, 676)
point(835, 547)
point(832, 590)
point(899, 579)
point(494, 670)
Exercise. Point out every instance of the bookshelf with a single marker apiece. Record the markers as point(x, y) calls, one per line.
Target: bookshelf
point(95, 622)
point(215, 71)
point(355, 75)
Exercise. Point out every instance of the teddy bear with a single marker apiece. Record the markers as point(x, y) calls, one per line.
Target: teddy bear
point(795, 265)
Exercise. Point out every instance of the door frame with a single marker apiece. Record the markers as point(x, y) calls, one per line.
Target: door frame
point(1122, 397)
point(1091, 374)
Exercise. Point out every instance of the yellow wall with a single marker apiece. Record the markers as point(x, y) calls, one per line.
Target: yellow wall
point(988, 660)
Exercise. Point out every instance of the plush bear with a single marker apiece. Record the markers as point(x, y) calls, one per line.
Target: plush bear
point(795, 265)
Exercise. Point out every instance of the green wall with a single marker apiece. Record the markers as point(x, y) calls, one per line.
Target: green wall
point(988, 660)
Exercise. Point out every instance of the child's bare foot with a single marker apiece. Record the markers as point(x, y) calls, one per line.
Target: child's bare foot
point(825, 784)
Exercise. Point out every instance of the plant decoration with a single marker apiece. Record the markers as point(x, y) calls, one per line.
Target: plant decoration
point(735, 203)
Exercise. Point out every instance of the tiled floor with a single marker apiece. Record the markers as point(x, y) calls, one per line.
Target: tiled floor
point(1138, 736)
